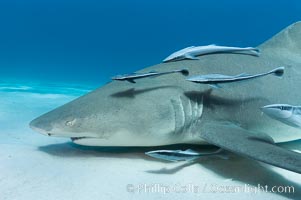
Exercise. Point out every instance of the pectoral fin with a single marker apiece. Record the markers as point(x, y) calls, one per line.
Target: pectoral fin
point(131, 81)
point(216, 86)
point(257, 147)
point(190, 57)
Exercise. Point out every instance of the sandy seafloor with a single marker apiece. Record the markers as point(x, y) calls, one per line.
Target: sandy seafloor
point(34, 166)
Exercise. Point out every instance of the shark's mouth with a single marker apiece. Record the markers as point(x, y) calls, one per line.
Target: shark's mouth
point(88, 141)
point(77, 138)
point(80, 138)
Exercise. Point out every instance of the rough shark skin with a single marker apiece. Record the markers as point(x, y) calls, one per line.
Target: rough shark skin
point(170, 110)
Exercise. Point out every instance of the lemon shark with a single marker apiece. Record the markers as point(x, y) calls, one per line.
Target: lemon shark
point(170, 110)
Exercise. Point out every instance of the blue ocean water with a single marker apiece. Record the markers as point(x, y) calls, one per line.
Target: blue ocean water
point(53, 51)
point(90, 41)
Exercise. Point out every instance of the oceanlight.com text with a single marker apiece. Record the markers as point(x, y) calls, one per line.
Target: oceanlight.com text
point(206, 188)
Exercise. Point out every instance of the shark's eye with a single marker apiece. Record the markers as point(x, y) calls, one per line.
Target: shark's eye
point(70, 122)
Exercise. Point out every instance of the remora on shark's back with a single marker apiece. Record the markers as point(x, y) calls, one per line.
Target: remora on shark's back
point(132, 77)
point(215, 80)
point(192, 52)
point(172, 110)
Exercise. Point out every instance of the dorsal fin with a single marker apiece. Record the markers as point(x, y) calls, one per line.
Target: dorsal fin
point(287, 41)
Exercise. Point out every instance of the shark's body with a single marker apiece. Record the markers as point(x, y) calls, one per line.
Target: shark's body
point(191, 53)
point(171, 110)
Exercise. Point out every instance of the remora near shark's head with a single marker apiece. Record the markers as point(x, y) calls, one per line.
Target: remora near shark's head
point(288, 114)
point(278, 110)
point(170, 110)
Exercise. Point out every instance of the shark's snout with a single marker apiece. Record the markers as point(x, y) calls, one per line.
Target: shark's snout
point(54, 124)
point(40, 126)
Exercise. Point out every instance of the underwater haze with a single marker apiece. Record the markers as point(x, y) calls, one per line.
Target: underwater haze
point(90, 41)
point(54, 51)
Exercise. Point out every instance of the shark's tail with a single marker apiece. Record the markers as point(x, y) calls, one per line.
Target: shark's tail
point(278, 72)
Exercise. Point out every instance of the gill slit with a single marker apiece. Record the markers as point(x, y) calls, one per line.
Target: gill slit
point(187, 114)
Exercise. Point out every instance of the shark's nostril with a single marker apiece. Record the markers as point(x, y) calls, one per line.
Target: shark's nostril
point(40, 126)
point(70, 122)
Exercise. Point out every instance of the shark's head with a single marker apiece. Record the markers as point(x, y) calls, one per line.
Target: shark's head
point(114, 115)
point(278, 111)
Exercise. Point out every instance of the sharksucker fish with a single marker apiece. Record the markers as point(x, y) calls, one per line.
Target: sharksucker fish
point(170, 110)
point(179, 155)
point(192, 52)
point(285, 113)
point(216, 79)
point(132, 77)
